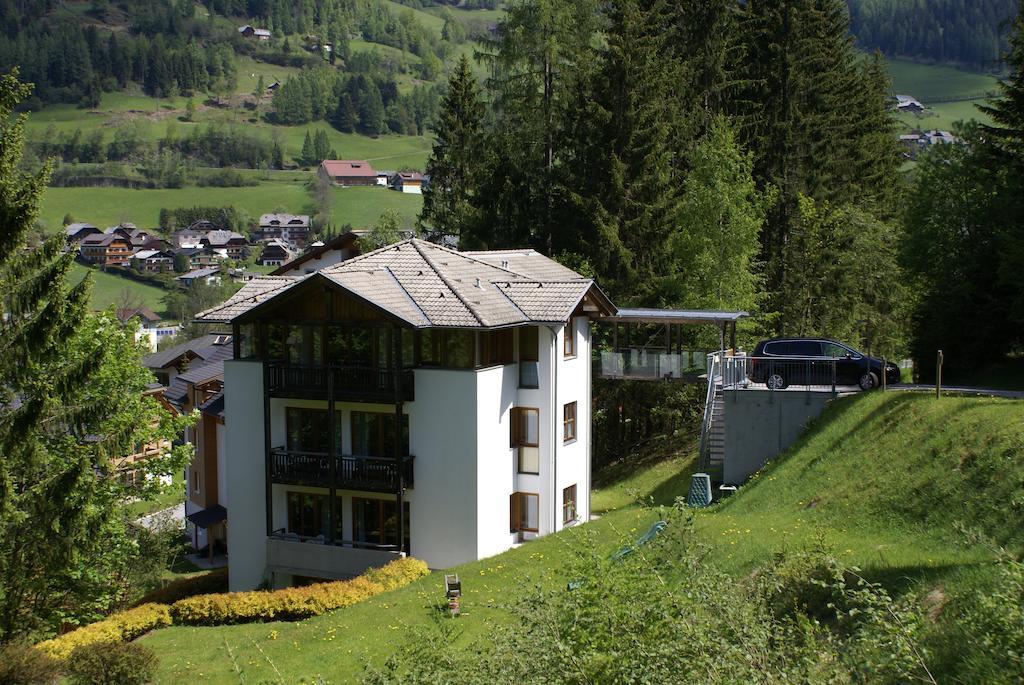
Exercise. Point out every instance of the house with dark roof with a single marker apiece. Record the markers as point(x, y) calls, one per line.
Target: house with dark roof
point(150, 328)
point(291, 228)
point(275, 253)
point(153, 261)
point(234, 245)
point(409, 400)
point(334, 251)
point(106, 249)
point(253, 32)
point(348, 172)
point(409, 182)
point(73, 233)
point(206, 274)
point(203, 257)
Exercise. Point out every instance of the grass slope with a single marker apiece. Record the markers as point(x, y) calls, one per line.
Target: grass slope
point(931, 82)
point(108, 289)
point(884, 478)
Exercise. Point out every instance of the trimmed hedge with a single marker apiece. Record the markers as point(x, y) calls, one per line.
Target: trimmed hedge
point(200, 584)
point(119, 627)
point(298, 602)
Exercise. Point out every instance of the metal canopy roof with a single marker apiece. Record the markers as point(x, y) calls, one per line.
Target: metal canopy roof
point(699, 316)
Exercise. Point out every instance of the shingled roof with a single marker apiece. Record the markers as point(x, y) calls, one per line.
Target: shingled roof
point(425, 285)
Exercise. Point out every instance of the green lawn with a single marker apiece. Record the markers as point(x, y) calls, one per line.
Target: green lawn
point(929, 82)
point(883, 479)
point(109, 206)
point(944, 115)
point(361, 207)
point(108, 289)
point(428, 20)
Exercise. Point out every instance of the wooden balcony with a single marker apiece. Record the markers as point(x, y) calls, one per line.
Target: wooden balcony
point(370, 474)
point(352, 383)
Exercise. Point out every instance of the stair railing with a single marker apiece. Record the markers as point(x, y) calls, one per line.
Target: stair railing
point(714, 368)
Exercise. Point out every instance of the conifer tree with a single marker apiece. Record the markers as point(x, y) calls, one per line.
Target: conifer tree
point(308, 152)
point(71, 408)
point(454, 162)
point(321, 147)
point(1007, 111)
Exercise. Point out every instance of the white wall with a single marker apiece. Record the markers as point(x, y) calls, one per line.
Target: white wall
point(496, 395)
point(443, 437)
point(246, 468)
point(572, 459)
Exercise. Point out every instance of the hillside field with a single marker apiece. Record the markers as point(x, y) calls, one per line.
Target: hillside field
point(951, 94)
point(108, 289)
point(883, 479)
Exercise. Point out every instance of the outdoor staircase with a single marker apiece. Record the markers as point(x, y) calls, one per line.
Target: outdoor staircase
point(715, 438)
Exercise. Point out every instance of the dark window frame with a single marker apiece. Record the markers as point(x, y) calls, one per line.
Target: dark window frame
point(569, 340)
point(569, 511)
point(520, 435)
point(519, 512)
point(569, 422)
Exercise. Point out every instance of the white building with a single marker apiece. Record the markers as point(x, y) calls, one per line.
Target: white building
point(483, 357)
point(334, 251)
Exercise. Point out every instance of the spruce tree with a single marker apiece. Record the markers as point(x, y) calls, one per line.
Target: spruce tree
point(1007, 111)
point(71, 408)
point(454, 163)
point(308, 152)
point(321, 146)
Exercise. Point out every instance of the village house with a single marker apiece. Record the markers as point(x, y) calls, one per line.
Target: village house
point(209, 275)
point(106, 249)
point(348, 172)
point(128, 467)
point(253, 32)
point(150, 328)
point(409, 182)
point(201, 257)
point(275, 253)
point(234, 245)
point(74, 233)
point(167, 364)
point(410, 400)
point(334, 251)
point(291, 228)
point(907, 103)
point(153, 261)
point(188, 237)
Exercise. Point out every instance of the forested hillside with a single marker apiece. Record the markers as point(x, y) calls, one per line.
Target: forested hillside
point(967, 31)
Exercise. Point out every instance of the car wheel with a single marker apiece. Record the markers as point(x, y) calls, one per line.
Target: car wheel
point(776, 381)
point(868, 381)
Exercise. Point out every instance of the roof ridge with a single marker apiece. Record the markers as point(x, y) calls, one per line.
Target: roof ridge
point(465, 255)
point(408, 295)
point(430, 263)
point(343, 266)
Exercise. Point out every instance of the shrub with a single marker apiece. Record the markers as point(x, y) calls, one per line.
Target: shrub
point(111, 663)
point(199, 584)
point(295, 603)
point(119, 627)
point(22, 664)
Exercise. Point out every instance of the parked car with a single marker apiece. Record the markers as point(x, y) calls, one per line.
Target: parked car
point(781, 362)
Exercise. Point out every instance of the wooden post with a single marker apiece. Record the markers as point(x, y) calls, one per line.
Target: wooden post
point(938, 375)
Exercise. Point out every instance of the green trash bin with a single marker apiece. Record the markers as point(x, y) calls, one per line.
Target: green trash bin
point(700, 490)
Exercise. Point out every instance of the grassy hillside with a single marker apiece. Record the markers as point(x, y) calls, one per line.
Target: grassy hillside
point(885, 479)
point(951, 94)
point(108, 289)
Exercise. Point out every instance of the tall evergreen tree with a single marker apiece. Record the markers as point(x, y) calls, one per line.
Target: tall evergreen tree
point(454, 164)
point(308, 152)
point(71, 407)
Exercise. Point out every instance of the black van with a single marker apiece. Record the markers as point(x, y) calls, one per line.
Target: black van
point(781, 362)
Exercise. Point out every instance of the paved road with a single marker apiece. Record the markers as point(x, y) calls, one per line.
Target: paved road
point(958, 390)
point(159, 518)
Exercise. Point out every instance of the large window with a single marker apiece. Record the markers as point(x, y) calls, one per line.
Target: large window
point(526, 439)
point(525, 512)
point(569, 422)
point(374, 521)
point(496, 347)
point(373, 434)
point(308, 513)
point(453, 349)
point(308, 432)
point(569, 504)
point(357, 346)
point(529, 354)
point(569, 339)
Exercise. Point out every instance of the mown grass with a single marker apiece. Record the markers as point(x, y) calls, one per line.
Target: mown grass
point(361, 207)
point(884, 479)
point(108, 289)
point(930, 82)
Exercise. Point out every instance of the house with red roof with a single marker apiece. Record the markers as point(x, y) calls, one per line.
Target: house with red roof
point(348, 172)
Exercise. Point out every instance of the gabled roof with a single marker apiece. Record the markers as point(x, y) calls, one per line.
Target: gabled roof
point(276, 220)
point(199, 273)
point(104, 239)
point(424, 285)
point(348, 167)
point(124, 314)
point(345, 240)
point(208, 348)
point(73, 229)
point(222, 237)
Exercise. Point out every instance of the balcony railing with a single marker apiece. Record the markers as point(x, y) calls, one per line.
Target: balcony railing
point(348, 382)
point(373, 474)
point(650, 364)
